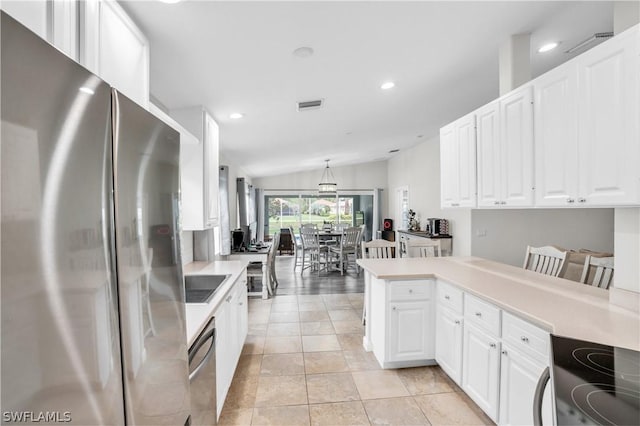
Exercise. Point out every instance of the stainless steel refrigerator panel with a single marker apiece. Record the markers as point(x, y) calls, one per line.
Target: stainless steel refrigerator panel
point(152, 312)
point(60, 338)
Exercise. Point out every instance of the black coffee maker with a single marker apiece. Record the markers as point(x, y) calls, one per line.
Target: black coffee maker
point(237, 240)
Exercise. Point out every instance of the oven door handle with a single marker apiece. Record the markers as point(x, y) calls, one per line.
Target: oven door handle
point(210, 335)
point(538, 396)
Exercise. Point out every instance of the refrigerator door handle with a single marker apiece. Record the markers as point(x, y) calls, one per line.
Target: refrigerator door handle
point(210, 335)
point(538, 396)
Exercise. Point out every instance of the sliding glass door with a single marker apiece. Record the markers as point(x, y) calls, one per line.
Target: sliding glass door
point(291, 209)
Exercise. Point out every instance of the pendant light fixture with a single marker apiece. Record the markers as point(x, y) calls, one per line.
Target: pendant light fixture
point(327, 185)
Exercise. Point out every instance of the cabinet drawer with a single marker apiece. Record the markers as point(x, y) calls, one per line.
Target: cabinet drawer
point(483, 314)
point(531, 340)
point(410, 290)
point(449, 296)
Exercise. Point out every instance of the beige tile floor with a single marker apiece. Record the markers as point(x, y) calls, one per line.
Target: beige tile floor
point(303, 364)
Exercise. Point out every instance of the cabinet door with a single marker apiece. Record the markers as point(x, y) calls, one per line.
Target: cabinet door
point(556, 147)
point(488, 133)
point(54, 21)
point(466, 160)
point(123, 53)
point(211, 172)
point(409, 331)
point(224, 370)
point(448, 166)
point(449, 343)
point(481, 369)
point(608, 122)
point(518, 379)
point(516, 137)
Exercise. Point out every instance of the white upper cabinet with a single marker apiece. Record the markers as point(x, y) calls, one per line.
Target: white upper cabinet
point(586, 127)
point(556, 147)
point(54, 21)
point(199, 169)
point(113, 47)
point(505, 151)
point(608, 120)
point(516, 141)
point(489, 173)
point(458, 163)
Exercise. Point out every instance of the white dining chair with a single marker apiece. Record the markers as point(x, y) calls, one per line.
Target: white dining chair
point(312, 249)
point(546, 260)
point(378, 249)
point(598, 271)
point(423, 248)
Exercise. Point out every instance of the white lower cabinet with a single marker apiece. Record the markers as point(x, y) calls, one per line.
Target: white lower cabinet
point(519, 376)
point(231, 318)
point(496, 357)
point(402, 322)
point(410, 337)
point(481, 369)
point(449, 342)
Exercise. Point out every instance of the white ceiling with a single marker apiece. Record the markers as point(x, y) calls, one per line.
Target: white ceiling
point(443, 56)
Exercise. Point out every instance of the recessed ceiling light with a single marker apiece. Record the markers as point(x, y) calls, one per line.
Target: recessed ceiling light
point(86, 90)
point(547, 47)
point(394, 151)
point(303, 52)
point(388, 85)
point(235, 115)
point(420, 136)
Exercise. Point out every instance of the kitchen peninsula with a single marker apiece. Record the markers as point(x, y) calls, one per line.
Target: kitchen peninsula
point(486, 324)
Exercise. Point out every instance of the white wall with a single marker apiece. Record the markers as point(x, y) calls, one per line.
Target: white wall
point(627, 249)
point(418, 168)
point(508, 232)
point(357, 176)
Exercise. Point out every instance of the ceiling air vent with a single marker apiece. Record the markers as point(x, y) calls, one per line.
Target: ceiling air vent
point(308, 105)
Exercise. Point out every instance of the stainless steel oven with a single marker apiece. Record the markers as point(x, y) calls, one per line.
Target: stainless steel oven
point(202, 376)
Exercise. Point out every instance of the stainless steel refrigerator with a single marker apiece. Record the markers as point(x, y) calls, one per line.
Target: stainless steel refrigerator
point(93, 321)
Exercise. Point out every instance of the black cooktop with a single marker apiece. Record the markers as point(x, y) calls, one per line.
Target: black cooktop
point(595, 384)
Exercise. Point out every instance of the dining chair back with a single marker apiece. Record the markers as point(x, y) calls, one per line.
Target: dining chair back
point(339, 227)
point(312, 249)
point(254, 269)
point(378, 249)
point(424, 248)
point(347, 249)
point(598, 271)
point(546, 260)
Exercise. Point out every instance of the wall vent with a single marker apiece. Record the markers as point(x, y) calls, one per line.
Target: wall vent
point(308, 105)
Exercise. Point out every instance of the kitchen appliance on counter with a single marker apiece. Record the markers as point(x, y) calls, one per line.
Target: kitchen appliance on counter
point(436, 226)
point(92, 307)
point(594, 384)
point(202, 376)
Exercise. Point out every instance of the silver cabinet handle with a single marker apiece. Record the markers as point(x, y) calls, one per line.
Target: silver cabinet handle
point(538, 395)
point(394, 308)
point(410, 290)
point(493, 345)
point(496, 202)
point(228, 299)
point(455, 204)
point(447, 297)
point(211, 335)
point(479, 314)
point(524, 339)
point(503, 202)
point(457, 322)
point(504, 353)
point(582, 200)
point(570, 200)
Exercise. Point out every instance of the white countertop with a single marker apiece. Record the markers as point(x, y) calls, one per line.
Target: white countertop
point(198, 314)
point(563, 307)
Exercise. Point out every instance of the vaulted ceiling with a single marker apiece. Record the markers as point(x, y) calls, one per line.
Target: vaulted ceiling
point(443, 57)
